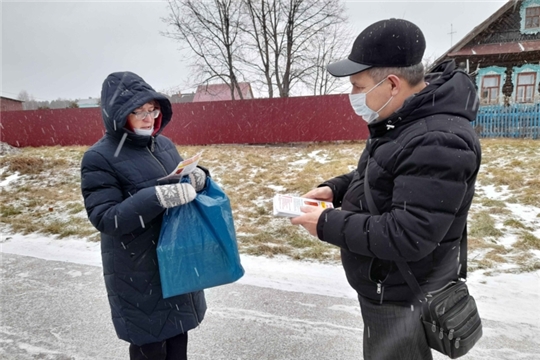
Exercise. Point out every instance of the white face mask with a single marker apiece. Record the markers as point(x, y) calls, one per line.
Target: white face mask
point(144, 132)
point(358, 103)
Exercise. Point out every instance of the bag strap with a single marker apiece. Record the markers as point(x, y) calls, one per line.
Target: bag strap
point(402, 265)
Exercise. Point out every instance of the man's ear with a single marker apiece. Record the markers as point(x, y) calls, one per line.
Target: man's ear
point(396, 83)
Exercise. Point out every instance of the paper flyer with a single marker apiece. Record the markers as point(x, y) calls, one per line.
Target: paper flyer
point(184, 168)
point(289, 206)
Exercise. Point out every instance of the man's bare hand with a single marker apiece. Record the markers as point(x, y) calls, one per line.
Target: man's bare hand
point(323, 193)
point(309, 219)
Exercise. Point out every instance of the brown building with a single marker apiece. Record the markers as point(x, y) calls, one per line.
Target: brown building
point(222, 92)
point(180, 98)
point(502, 54)
point(9, 104)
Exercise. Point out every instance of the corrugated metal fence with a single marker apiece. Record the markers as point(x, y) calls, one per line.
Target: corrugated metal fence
point(260, 121)
point(514, 121)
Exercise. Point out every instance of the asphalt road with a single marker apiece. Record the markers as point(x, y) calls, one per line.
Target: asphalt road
point(59, 310)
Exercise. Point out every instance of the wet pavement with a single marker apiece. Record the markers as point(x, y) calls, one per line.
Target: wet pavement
point(59, 310)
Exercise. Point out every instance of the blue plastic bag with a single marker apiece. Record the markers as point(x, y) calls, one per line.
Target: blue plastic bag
point(197, 246)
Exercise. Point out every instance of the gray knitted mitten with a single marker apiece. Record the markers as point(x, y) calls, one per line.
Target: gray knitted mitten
point(175, 194)
point(198, 179)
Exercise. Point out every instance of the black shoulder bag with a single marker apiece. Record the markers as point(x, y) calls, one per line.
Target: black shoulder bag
point(450, 317)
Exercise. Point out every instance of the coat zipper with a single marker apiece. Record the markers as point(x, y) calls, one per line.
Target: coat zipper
point(155, 158)
point(380, 291)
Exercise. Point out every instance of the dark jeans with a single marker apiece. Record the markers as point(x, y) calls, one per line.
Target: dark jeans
point(171, 349)
point(393, 332)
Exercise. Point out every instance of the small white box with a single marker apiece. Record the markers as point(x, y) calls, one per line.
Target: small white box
point(289, 206)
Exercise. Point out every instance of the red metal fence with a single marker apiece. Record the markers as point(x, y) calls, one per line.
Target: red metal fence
point(260, 121)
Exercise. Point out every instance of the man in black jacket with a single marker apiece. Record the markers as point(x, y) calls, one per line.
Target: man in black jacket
point(422, 157)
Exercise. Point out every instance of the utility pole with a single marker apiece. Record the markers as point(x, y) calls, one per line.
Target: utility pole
point(451, 33)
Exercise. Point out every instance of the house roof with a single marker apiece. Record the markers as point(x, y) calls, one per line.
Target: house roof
point(182, 98)
point(84, 103)
point(10, 98)
point(461, 48)
point(221, 92)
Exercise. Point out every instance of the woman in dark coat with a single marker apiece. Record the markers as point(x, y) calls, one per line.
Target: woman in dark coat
point(125, 201)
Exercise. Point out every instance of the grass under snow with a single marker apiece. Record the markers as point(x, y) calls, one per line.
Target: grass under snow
point(40, 193)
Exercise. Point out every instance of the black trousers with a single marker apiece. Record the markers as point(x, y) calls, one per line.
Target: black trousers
point(171, 349)
point(393, 332)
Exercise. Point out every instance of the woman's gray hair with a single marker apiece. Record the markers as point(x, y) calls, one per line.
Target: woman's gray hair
point(412, 74)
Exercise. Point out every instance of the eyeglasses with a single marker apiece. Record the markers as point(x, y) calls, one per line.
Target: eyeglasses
point(141, 115)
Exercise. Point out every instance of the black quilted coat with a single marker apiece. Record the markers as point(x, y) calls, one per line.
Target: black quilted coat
point(118, 175)
point(423, 163)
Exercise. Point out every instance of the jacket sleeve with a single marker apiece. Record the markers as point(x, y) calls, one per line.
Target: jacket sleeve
point(430, 177)
point(104, 199)
point(339, 186)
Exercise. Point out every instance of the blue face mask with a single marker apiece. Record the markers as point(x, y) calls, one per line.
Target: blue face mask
point(358, 103)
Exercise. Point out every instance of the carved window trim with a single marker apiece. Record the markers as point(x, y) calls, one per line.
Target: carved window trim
point(532, 17)
point(490, 94)
point(525, 92)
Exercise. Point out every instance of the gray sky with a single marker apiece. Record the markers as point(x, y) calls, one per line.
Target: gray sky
point(65, 49)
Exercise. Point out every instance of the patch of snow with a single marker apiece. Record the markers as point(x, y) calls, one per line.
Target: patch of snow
point(74, 273)
point(495, 192)
point(299, 162)
point(276, 188)
point(526, 212)
point(9, 179)
point(321, 159)
point(38, 351)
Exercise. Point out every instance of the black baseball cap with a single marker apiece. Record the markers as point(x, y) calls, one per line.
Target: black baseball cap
point(386, 43)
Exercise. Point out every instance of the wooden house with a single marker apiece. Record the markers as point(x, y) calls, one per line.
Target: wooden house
point(502, 55)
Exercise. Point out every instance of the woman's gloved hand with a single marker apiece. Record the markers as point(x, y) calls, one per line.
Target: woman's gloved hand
point(175, 194)
point(198, 179)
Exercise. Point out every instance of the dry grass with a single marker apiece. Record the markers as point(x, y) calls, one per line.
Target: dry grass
point(528, 241)
point(513, 163)
point(46, 198)
point(482, 225)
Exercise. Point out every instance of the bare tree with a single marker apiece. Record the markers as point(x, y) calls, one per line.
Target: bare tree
point(289, 35)
point(29, 102)
point(24, 96)
point(261, 30)
point(306, 19)
point(318, 80)
point(271, 42)
point(210, 29)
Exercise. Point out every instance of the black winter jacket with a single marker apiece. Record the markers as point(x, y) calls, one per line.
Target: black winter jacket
point(118, 178)
point(423, 164)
